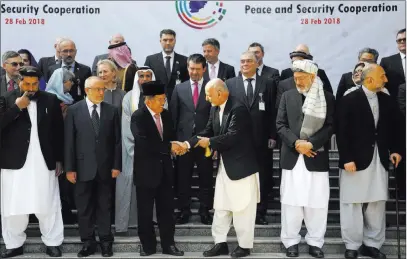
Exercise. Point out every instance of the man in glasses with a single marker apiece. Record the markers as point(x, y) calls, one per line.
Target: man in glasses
point(12, 62)
point(365, 55)
point(67, 51)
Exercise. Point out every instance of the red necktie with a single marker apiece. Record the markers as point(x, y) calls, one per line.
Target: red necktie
point(196, 94)
point(158, 124)
point(10, 85)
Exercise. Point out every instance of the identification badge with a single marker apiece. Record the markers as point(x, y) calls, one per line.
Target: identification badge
point(177, 82)
point(79, 91)
point(262, 105)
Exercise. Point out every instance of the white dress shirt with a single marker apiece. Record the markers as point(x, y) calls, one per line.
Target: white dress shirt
point(403, 62)
point(246, 83)
point(172, 55)
point(221, 110)
point(200, 82)
point(216, 68)
point(90, 107)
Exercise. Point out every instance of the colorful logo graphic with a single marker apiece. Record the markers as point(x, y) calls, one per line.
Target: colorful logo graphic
point(200, 14)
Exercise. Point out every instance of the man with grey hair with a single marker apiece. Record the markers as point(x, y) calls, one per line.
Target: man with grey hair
point(45, 62)
point(216, 68)
point(305, 125)
point(68, 51)
point(237, 183)
point(367, 141)
point(367, 55)
point(258, 94)
point(12, 62)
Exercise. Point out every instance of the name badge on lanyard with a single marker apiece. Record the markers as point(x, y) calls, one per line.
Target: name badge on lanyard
point(262, 105)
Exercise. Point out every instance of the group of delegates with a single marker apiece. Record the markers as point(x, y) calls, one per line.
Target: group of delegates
point(109, 144)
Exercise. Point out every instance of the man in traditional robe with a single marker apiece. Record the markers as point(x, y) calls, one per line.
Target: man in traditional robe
point(153, 130)
point(126, 203)
point(31, 155)
point(229, 132)
point(366, 136)
point(305, 125)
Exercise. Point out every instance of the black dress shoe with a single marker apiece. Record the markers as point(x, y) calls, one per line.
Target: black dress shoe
point(371, 252)
point(240, 252)
point(172, 250)
point(261, 220)
point(351, 254)
point(183, 217)
point(53, 251)
point(87, 250)
point(12, 252)
point(106, 249)
point(292, 251)
point(146, 252)
point(217, 249)
point(316, 252)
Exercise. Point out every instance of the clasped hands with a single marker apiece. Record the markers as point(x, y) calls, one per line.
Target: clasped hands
point(178, 148)
point(304, 147)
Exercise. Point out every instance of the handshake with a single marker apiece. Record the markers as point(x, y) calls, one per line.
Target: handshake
point(180, 148)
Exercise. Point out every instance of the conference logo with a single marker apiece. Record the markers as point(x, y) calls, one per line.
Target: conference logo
point(200, 14)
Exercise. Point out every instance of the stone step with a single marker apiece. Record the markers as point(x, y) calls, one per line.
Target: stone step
point(200, 244)
point(198, 229)
point(188, 255)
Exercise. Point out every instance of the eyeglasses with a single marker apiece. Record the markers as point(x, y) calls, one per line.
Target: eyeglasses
point(98, 89)
point(15, 64)
point(401, 40)
point(67, 51)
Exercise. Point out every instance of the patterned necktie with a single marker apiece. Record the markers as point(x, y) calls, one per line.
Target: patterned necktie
point(195, 96)
point(158, 124)
point(168, 67)
point(95, 120)
point(213, 72)
point(249, 90)
point(10, 85)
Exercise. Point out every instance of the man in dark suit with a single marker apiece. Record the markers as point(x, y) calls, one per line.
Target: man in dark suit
point(215, 68)
point(367, 141)
point(31, 151)
point(92, 160)
point(67, 50)
point(153, 131)
point(11, 63)
point(258, 95)
point(401, 176)
point(169, 67)
point(395, 65)
point(117, 38)
point(45, 62)
point(262, 69)
point(347, 81)
point(190, 113)
point(302, 52)
point(237, 190)
point(305, 124)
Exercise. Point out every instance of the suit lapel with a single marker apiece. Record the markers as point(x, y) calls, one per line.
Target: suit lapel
point(161, 66)
point(150, 120)
point(297, 103)
point(225, 116)
point(365, 106)
point(103, 117)
point(216, 121)
point(241, 92)
point(41, 108)
point(202, 95)
point(88, 119)
point(221, 71)
point(188, 96)
point(165, 126)
point(399, 65)
point(259, 87)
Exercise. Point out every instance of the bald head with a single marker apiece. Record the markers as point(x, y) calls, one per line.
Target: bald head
point(95, 89)
point(115, 39)
point(67, 51)
point(373, 77)
point(218, 84)
point(216, 92)
point(91, 81)
point(302, 47)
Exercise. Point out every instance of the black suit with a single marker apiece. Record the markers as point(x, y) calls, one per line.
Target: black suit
point(345, 84)
point(271, 73)
point(179, 70)
point(16, 130)
point(401, 175)
point(393, 67)
point(262, 122)
point(188, 121)
point(287, 73)
point(289, 122)
point(153, 176)
point(225, 71)
point(3, 85)
point(232, 139)
point(44, 64)
point(93, 157)
point(82, 72)
point(357, 134)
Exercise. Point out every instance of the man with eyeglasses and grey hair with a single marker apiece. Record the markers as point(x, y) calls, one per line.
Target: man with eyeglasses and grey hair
point(367, 55)
point(68, 51)
point(11, 64)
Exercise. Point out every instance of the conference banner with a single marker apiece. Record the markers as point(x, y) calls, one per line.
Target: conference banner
point(334, 30)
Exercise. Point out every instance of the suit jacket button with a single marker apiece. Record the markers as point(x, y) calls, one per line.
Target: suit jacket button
point(28, 141)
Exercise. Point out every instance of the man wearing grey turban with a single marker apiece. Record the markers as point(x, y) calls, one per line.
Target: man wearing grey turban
point(305, 124)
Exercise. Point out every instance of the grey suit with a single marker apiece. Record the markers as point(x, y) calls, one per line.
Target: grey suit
point(3, 85)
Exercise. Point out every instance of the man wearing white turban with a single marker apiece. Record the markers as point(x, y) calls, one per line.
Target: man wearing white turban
point(305, 124)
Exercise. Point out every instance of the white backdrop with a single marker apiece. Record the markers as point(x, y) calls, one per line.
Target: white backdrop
point(334, 46)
